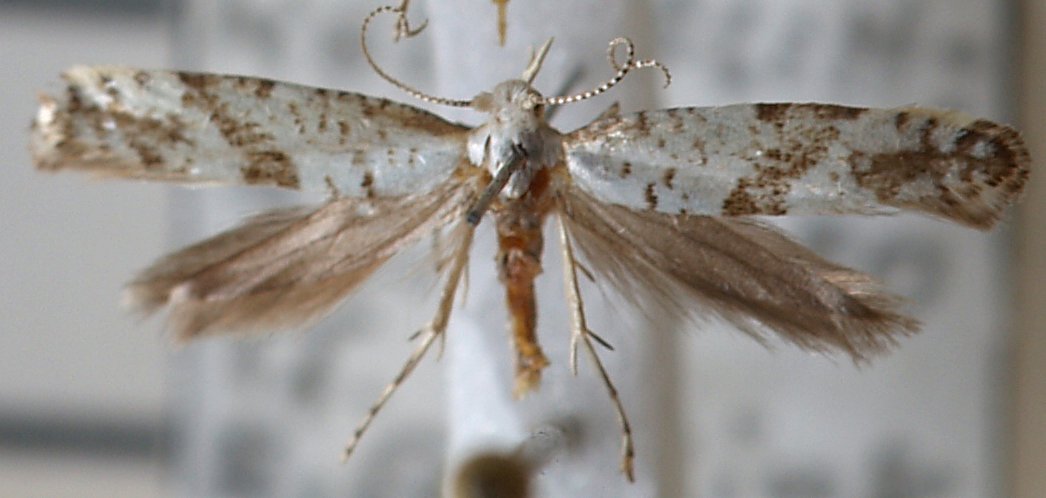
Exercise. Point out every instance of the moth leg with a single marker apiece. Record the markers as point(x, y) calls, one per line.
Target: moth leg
point(580, 334)
point(515, 160)
point(435, 329)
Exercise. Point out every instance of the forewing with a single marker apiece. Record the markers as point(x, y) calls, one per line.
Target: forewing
point(773, 159)
point(736, 269)
point(287, 268)
point(190, 127)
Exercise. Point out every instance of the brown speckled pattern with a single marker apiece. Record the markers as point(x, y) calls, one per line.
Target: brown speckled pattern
point(777, 159)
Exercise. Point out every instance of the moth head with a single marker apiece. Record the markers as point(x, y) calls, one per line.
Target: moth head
point(514, 96)
point(510, 100)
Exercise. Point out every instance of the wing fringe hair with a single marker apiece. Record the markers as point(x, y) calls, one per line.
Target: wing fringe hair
point(739, 270)
point(289, 267)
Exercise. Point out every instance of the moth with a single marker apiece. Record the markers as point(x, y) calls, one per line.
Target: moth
point(659, 204)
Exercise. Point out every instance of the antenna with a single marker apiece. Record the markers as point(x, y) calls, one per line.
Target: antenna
point(403, 30)
point(622, 70)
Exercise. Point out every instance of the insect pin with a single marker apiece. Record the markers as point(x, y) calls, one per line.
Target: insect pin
point(658, 204)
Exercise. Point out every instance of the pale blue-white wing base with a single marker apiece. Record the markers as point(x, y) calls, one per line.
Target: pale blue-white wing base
point(202, 128)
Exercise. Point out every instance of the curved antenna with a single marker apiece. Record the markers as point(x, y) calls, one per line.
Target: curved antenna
point(403, 30)
point(622, 69)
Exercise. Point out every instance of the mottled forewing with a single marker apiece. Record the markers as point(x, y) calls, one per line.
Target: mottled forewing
point(287, 268)
point(773, 159)
point(736, 269)
point(189, 127)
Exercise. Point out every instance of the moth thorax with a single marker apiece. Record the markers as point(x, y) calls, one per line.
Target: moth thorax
point(513, 137)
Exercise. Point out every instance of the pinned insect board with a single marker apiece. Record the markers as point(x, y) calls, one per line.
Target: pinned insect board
point(655, 205)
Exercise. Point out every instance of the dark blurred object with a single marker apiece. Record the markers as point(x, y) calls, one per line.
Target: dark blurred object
point(121, 7)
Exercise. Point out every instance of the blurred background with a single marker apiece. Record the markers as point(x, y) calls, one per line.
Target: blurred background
point(97, 403)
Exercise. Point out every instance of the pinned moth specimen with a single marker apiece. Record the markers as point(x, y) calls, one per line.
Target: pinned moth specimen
point(657, 203)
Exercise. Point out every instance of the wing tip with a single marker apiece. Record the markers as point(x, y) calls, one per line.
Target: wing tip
point(55, 142)
point(965, 170)
point(995, 179)
point(867, 325)
point(47, 133)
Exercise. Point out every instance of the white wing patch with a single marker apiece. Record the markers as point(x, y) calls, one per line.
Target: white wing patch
point(187, 127)
point(775, 159)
